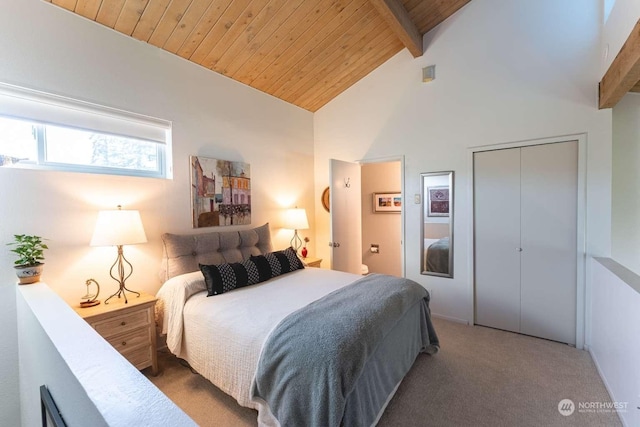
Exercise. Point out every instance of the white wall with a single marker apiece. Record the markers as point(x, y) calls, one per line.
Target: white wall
point(616, 326)
point(42, 364)
point(625, 211)
point(626, 143)
point(46, 48)
point(90, 382)
point(505, 71)
point(9, 386)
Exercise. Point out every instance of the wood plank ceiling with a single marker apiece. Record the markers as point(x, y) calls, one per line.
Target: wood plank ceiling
point(305, 52)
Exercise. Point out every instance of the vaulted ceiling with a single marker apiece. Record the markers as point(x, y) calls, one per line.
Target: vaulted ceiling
point(305, 52)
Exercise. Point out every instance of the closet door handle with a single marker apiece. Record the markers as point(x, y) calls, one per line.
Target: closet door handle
point(518, 249)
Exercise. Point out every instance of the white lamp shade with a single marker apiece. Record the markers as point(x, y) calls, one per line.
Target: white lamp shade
point(296, 219)
point(118, 227)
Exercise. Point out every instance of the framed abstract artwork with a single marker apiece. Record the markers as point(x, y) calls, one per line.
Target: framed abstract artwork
point(387, 202)
point(438, 203)
point(220, 192)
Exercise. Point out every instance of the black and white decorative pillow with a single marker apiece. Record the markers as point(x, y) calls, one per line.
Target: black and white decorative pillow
point(276, 263)
point(221, 278)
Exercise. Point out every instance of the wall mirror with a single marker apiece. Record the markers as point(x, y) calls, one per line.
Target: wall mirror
point(437, 223)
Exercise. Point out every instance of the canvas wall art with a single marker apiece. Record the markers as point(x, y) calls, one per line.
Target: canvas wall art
point(220, 192)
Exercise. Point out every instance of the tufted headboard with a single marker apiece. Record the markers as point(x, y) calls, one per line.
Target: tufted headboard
point(181, 253)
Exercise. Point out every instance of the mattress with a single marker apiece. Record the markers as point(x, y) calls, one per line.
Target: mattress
point(222, 337)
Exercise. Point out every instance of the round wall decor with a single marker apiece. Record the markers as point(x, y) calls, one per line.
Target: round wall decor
point(325, 200)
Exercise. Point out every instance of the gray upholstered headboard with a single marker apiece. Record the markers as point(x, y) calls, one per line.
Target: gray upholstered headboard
point(181, 253)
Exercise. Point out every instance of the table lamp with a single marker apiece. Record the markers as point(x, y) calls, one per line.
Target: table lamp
point(119, 228)
point(296, 219)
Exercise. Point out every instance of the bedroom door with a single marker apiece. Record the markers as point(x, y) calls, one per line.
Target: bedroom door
point(346, 216)
point(525, 239)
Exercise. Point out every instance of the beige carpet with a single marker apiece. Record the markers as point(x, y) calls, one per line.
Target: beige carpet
point(480, 377)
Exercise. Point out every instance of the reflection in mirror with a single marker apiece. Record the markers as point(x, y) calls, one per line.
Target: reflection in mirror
point(437, 223)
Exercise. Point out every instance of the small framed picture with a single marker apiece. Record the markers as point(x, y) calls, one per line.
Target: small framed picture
point(387, 202)
point(438, 204)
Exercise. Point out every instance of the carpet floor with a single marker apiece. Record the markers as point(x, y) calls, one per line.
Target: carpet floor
point(480, 377)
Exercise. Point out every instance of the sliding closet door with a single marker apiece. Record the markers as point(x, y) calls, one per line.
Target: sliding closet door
point(549, 177)
point(497, 238)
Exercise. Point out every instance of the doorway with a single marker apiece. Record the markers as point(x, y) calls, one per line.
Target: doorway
point(352, 212)
point(381, 225)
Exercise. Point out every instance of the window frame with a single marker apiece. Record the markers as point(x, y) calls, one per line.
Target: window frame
point(43, 102)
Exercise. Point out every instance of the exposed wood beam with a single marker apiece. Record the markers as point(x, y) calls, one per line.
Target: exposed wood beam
point(636, 88)
point(624, 72)
point(400, 22)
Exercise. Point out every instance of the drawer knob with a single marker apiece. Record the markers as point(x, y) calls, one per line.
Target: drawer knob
point(123, 323)
point(124, 343)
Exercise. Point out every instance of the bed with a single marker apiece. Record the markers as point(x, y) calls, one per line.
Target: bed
point(437, 255)
point(310, 347)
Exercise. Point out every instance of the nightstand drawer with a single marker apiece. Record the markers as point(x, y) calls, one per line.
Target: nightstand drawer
point(129, 327)
point(132, 339)
point(123, 323)
point(140, 357)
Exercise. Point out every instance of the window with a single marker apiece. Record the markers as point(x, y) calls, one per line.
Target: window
point(49, 132)
point(608, 6)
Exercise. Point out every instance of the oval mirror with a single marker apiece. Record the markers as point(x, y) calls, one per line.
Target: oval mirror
point(437, 223)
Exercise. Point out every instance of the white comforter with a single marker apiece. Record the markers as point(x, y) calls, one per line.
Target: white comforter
point(222, 336)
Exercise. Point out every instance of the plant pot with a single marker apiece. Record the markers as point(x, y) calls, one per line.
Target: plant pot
point(29, 273)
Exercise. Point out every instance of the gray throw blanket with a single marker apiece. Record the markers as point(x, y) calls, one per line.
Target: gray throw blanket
point(312, 360)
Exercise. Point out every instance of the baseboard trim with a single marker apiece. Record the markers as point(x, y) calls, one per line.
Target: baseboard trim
point(449, 318)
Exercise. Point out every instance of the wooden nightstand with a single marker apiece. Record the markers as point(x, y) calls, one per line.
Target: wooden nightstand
point(129, 328)
point(311, 262)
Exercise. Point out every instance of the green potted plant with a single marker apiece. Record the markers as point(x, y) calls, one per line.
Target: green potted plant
point(30, 250)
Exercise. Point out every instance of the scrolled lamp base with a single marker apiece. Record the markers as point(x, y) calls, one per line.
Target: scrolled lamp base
point(120, 266)
point(296, 241)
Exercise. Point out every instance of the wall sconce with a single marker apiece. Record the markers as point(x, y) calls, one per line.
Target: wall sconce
point(428, 73)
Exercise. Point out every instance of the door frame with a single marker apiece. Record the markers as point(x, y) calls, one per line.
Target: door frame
point(403, 246)
point(582, 297)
